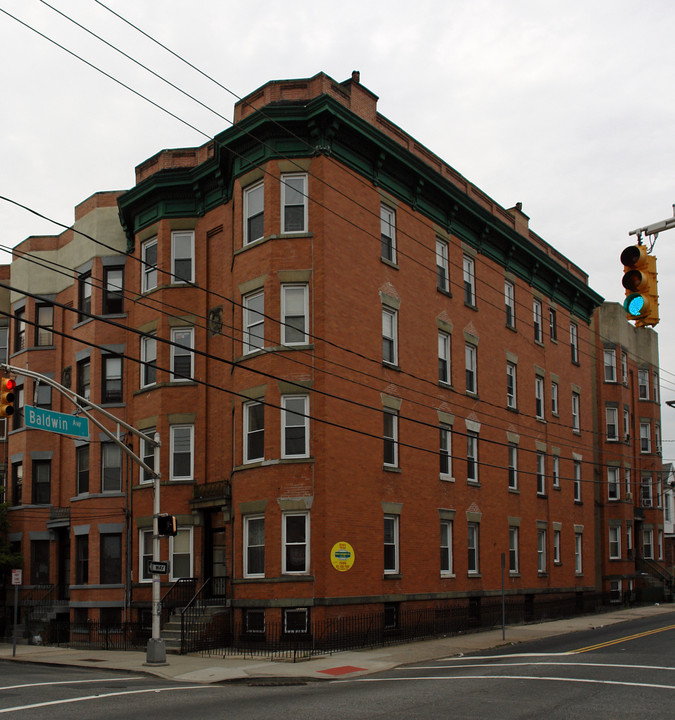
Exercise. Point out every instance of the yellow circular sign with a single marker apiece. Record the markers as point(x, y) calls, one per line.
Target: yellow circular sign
point(342, 556)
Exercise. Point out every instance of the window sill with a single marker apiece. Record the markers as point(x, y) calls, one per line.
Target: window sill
point(512, 328)
point(543, 496)
point(470, 306)
point(391, 469)
point(472, 574)
point(542, 574)
point(512, 408)
point(473, 483)
point(514, 491)
point(447, 576)
point(541, 420)
point(514, 573)
point(278, 579)
point(473, 394)
point(392, 576)
point(447, 293)
point(578, 502)
point(390, 263)
point(446, 478)
point(445, 384)
point(89, 496)
point(391, 366)
point(556, 487)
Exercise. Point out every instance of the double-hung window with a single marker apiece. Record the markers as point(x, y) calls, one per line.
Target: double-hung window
point(541, 473)
point(42, 470)
point(254, 322)
point(145, 555)
point(182, 356)
point(44, 332)
point(180, 554)
point(643, 384)
point(612, 423)
point(149, 260)
point(111, 468)
point(471, 456)
point(254, 546)
point(147, 455)
point(614, 543)
point(556, 547)
point(391, 544)
point(537, 320)
point(554, 398)
point(254, 432)
point(182, 452)
point(574, 343)
point(473, 546)
point(254, 213)
point(577, 481)
point(539, 397)
point(613, 483)
point(148, 360)
point(511, 398)
point(446, 548)
point(470, 353)
point(111, 392)
point(513, 466)
point(442, 272)
point(182, 256)
point(294, 426)
point(575, 412)
point(390, 438)
point(609, 357)
point(84, 379)
point(113, 291)
point(84, 286)
point(510, 303)
point(445, 452)
point(17, 484)
point(469, 277)
point(553, 323)
point(389, 336)
point(388, 233)
point(19, 329)
point(444, 357)
point(555, 471)
point(541, 550)
point(294, 314)
point(81, 559)
point(645, 437)
point(82, 469)
point(110, 559)
point(648, 544)
point(295, 543)
point(294, 203)
point(578, 553)
point(513, 550)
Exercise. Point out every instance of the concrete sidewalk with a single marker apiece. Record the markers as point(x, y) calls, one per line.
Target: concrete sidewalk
point(214, 669)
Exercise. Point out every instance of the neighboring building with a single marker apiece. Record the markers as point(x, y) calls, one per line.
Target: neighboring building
point(629, 478)
point(338, 339)
point(668, 480)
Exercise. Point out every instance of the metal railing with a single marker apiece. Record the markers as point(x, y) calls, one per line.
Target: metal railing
point(177, 596)
point(194, 627)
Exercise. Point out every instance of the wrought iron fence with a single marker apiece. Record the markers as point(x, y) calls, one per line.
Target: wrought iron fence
point(96, 635)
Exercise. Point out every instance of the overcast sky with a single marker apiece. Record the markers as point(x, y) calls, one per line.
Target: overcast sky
point(567, 107)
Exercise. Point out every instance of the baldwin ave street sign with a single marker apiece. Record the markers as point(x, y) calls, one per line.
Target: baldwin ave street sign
point(56, 422)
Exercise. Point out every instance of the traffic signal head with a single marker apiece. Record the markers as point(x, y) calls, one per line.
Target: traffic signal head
point(639, 280)
point(7, 387)
point(166, 525)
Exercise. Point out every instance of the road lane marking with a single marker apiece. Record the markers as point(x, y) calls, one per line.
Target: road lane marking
point(618, 641)
point(101, 697)
point(538, 664)
point(69, 682)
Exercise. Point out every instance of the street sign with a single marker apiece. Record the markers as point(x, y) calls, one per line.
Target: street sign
point(161, 567)
point(17, 577)
point(57, 422)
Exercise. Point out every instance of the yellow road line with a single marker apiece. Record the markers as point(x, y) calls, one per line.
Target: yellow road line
point(623, 639)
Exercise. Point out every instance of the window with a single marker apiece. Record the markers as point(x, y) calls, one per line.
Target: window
point(442, 272)
point(648, 544)
point(84, 379)
point(446, 548)
point(470, 353)
point(113, 290)
point(182, 439)
point(513, 467)
point(541, 473)
point(539, 397)
point(296, 621)
point(556, 472)
point(42, 470)
point(390, 437)
point(541, 551)
point(42, 396)
point(613, 491)
point(145, 551)
point(294, 314)
point(468, 274)
point(294, 203)
point(389, 336)
point(147, 452)
point(84, 287)
point(646, 490)
point(111, 468)
point(578, 559)
point(472, 545)
point(655, 384)
point(254, 213)
point(614, 543)
point(82, 469)
point(45, 325)
point(612, 423)
point(254, 546)
point(39, 562)
point(443, 357)
point(182, 256)
point(510, 303)
point(295, 541)
point(624, 368)
point(556, 547)
point(577, 481)
point(471, 456)
point(513, 550)
point(17, 483)
point(537, 320)
point(660, 544)
point(182, 357)
point(4, 344)
point(111, 559)
point(81, 559)
point(553, 323)
point(19, 405)
point(391, 554)
point(657, 437)
point(511, 398)
point(254, 620)
point(626, 424)
point(575, 412)
point(148, 360)
point(445, 453)
point(574, 343)
point(645, 437)
point(610, 365)
point(615, 591)
point(180, 551)
point(627, 481)
point(254, 432)
point(554, 398)
point(643, 384)
point(294, 426)
point(111, 390)
point(388, 233)
point(254, 322)
point(149, 260)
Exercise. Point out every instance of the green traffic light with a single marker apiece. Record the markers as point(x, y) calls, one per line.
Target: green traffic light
point(634, 305)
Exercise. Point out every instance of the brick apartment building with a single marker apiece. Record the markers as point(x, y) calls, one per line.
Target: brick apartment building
point(339, 340)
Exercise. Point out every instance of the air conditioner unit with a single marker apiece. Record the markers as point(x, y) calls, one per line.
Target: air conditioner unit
point(646, 502)
point(629, 496)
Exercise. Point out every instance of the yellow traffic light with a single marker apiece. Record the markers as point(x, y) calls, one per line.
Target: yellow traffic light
point(7, 387)
point(639, 280)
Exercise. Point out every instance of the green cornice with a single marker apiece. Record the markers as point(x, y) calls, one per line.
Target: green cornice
point(323, 125)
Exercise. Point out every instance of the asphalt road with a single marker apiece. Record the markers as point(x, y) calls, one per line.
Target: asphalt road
point(621, 671)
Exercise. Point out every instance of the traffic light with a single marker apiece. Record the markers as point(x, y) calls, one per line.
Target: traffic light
point(166, 525)
point(639, 280)
point(7, 386)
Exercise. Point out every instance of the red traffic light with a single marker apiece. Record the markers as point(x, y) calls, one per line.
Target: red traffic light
point(7, 386)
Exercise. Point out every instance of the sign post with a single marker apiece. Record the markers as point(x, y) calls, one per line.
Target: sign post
point(16, 581)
